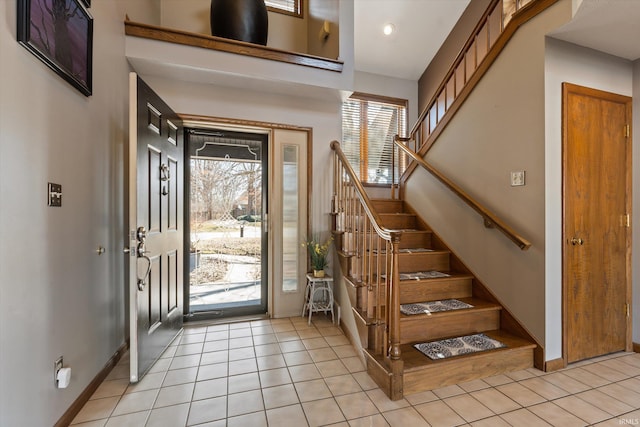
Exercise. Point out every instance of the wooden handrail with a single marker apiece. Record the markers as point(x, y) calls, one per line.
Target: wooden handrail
point(490, 219)
point(459, 58)
point(376, 221)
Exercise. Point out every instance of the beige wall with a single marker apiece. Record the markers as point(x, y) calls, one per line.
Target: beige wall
point(499, 129)
point(318, 12)
point(57, 296)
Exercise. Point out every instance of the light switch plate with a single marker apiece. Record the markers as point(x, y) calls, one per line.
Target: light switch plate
point(517, 178)
point(55, 195)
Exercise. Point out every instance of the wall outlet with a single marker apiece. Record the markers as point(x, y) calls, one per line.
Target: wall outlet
point(517, 178)
point(57, 365)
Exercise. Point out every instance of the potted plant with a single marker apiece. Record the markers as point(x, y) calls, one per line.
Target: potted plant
point(318, 254)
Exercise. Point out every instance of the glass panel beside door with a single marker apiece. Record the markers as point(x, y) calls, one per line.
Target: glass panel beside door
point(227, 183)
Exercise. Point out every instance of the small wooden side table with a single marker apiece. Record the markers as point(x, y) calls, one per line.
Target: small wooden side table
point(318, 296)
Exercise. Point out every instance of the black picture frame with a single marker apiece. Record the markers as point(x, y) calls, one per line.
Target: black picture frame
point(60, 34)
point(87, 3)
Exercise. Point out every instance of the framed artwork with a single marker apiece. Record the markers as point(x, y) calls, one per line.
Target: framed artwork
point(87, 3)
point(60, 34)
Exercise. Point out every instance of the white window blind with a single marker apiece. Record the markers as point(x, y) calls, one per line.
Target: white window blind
point(293, 7)
point(368, 129)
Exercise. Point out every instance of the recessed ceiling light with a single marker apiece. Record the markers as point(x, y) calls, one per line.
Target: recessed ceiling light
point(388, 29)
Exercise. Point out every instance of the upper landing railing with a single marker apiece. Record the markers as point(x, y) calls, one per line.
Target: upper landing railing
point(496, 26)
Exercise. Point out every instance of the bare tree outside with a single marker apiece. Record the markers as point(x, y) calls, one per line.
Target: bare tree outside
point(226, 206)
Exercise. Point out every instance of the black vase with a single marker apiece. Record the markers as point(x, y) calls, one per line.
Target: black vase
point(244, 20)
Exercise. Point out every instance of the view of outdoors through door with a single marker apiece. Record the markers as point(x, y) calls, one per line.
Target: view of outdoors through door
point(227, 269)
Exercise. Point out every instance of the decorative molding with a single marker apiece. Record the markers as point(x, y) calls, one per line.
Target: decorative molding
point(86, 394)
point(636, 347)
point(198, 120)
point(153, 32)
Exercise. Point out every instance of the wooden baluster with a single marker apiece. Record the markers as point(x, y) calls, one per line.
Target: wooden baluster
point(393, 308)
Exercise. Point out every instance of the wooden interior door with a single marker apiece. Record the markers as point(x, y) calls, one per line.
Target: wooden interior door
point(156, 155)
point(597, 233)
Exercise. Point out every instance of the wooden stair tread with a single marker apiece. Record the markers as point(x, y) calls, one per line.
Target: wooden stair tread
point(478, 305)
point(415, 360)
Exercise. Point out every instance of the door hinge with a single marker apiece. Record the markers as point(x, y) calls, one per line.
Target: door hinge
point(627, 131)
point(625, 220)
point(627, 309)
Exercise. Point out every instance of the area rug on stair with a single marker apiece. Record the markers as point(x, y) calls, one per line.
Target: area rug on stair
point(433, 306)
point(406, 251)
point(450, 347)
point(419, 275)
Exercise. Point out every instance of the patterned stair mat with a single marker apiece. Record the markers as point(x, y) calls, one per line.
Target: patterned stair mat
point(432, 274)
point(407, 251)
point(442, 349)
point(433, 306)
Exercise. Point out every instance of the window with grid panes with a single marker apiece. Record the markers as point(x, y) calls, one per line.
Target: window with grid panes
point(289, 7)
point(369, 125)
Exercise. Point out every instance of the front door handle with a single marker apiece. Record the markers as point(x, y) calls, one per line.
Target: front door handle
point(142, 282)
point(141, 236)
point(576, 241)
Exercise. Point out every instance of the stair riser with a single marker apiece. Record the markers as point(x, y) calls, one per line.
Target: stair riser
point(415, 262)
point(399, 222)
point(424, 262)
point(347, 243)
point(421, 291)
point(388, 206)
point(415, 240)
point(434, 290)
point(482, 365)
point(455, 323)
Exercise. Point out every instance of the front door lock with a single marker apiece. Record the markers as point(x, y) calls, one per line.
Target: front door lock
point(141, 236)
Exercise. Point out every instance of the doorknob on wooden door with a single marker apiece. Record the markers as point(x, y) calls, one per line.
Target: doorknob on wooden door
point(576, 241)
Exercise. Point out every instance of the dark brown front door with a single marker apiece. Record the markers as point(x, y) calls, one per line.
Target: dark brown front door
point(156, 203)
point(597, 208)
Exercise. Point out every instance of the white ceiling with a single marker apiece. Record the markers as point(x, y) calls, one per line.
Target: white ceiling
point(611, 26)
point(421, 28)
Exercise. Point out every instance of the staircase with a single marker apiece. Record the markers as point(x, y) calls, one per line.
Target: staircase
point(396, 366)
point(382, 244)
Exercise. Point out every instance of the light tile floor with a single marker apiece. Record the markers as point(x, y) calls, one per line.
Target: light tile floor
point(283, 372)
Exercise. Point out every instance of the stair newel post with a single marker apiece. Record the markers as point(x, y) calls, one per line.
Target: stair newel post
point(393, 308)
point(393, 168)
point(334, 197)
point(358, 242)
point(366, 250)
